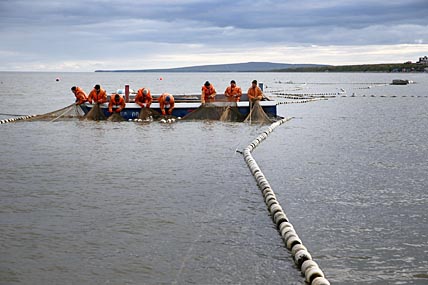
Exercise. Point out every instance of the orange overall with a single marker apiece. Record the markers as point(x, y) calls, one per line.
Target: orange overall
point(208, 94)
point(233, 94)
point(142, 99)
point(81, 96)
point(119, 104)
point(163, 103)
point(97, 96)
point(254, 93)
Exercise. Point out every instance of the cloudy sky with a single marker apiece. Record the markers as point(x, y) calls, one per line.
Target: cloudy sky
point(77, 35)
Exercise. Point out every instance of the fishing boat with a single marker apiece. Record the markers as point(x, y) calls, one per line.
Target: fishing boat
point(184, 104)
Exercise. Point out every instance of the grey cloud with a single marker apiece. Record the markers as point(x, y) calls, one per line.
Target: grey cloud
point(99, 28)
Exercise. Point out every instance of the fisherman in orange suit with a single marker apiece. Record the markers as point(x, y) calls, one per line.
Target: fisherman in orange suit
point(98, 95)
point(254, 92)
point(233, 92)
point(208, 93)
point(116, 104)
point(81, 96)
point(144, 98)
point(166, 101)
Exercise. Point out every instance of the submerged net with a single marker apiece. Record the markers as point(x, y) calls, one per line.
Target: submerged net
point(207, 111)
point(68, 112)
point(232, 114)
point(115, 117)
point(257, 115)
point(146, 113)
point(96, 113)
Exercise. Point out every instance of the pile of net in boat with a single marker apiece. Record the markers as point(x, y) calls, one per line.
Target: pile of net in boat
point(115, 117)
point(96, 113)
point(228, 112)
point(146, 113)
point(223, 111)
point(70, 112)
point(257, 115)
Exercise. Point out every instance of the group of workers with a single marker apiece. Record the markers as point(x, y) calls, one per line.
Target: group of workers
point(166, 101)
point(117, 103)
point(233, 92)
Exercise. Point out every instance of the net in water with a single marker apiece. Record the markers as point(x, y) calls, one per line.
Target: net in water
point(207, 111)
point(115, 117)
point(96, 113)
point(68, 112)
point(257, 115)
point(146, 113)
point(232, 114)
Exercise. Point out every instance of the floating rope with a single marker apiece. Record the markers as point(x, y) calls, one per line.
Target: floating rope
point(10, 120)
point(302, 258)
point(300, 101)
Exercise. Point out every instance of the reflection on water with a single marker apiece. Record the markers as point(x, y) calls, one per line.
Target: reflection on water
point(102, 202)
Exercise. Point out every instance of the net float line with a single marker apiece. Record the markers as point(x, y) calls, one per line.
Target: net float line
point(11, 120)
point(300, 101)
point(302, 258)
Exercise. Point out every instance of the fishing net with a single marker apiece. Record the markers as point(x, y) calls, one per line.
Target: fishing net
point(257, 115)
point(146, 113)
point(115, 117)
point(207, 111)
point(96, 113)
point(232, 114)
point(69, 112)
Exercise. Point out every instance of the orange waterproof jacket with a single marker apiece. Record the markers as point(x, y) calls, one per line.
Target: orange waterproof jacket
point(81, 96)
point(233, 93)
point(255, 93)
point(118, 105)
point(208, 93)
point(163, 103)
point(97, 97)
point(142, 99)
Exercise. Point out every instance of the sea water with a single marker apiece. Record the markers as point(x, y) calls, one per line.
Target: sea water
point(86, 202)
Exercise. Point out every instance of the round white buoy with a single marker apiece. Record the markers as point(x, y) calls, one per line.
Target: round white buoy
point(285, 230)
point(296, 248)
point(140, 120)
point(280, 218)
point(129, 120)
point(163, 121)
point(312, 273)
point(275, 208)
point(269, 196)
point(285, 227)
point(289, 234)
point(135, 120)
point(320, 281)
point(271, 201)
point(179, 118)
point(301, 256)
point(292, 241)
point(308, 264)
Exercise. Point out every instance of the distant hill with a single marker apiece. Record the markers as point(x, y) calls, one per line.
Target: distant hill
point(381, 67)
point(233, 67)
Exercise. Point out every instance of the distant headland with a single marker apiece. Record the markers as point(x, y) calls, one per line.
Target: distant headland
point(233, 67)
point(419, 66)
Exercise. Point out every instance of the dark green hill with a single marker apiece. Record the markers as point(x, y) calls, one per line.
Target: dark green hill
point(383, 67)
point(234, 67)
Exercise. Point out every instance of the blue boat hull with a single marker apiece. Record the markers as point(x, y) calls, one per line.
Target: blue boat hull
point(132, 110)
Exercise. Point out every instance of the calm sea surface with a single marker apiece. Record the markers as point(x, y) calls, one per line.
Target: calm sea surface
point(129, 203)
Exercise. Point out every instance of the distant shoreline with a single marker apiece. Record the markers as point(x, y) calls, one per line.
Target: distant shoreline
point(228, 68)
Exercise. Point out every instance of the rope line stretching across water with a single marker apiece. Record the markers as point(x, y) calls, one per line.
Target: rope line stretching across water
point(303, 259)
point(16, 119)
